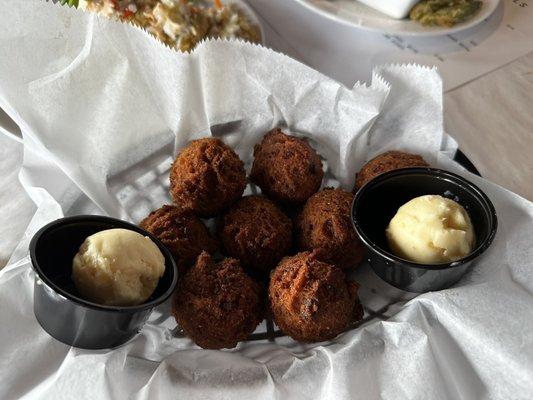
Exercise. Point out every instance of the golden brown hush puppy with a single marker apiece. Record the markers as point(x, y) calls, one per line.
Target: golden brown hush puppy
point(386, 162)
point(286, 168)
point(311, 300)
point(217, 304)
point(325, 224)
point(183, 233)
point(257, 232)
point(207, 177)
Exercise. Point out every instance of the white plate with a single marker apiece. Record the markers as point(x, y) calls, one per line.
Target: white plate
point(354, 13)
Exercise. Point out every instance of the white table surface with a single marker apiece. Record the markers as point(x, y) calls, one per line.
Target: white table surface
point(491, 117)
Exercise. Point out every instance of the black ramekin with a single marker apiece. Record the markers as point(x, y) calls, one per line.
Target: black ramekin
point(378, 201)
point(57, 305)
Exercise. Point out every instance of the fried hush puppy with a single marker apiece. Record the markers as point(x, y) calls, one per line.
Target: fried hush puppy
point(207, 177)
point(325, 224)
point(311, 300)
point(255, 231)
point(217, 304)
point(286, 168)
point(184, 234)
point(386, 162)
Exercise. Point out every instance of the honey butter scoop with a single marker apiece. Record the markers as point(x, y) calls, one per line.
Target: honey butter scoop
point(117, 267)
point(431, 229)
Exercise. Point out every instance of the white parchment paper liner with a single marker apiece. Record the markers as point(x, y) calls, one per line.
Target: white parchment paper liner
point(103, 107)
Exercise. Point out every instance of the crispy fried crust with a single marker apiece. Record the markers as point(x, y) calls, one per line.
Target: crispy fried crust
point(207, 177)
point(217, 304)
point(184, 234)
point(311, 300)
point(386, 162)
point(286, 168)
point(325, 224)
point(256, 232)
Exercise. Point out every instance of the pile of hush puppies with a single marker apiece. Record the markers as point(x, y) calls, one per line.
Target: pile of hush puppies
point(286, 251)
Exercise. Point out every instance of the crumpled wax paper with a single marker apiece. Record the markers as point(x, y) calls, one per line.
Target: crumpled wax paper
point(103, 109)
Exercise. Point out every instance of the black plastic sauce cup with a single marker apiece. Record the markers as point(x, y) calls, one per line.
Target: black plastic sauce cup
point(57, 305)
point(378, 201)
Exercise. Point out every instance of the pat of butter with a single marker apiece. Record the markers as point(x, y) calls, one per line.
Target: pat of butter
point(395, 8)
